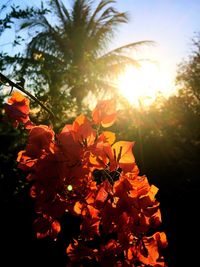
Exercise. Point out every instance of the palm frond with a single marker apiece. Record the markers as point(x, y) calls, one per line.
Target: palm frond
point(106, 29)
point(37, 20)
point(98, 9)
point(61, 12)
point(80, 12)
point(65, 12)
point(134, 45)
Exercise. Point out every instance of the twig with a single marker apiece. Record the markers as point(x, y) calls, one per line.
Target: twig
point(4, 79)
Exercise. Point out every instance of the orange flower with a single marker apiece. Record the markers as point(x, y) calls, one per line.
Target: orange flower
point(90, 176)
point(123, 156)
point(104, 113)
point(18, 108)
point(147, 250)
point(82, 131)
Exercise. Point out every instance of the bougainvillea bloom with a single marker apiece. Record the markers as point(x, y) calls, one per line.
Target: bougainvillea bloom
point(104, 113)
point(40, 139)
point(17, 108)
point(87, 174)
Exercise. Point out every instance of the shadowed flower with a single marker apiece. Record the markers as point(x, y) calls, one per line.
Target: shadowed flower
point(17, 109)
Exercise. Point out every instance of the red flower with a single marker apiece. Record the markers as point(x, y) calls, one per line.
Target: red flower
point(40, 140)
point(68, 150)
point(104, 190)
point(46, 226)
point(18, 108)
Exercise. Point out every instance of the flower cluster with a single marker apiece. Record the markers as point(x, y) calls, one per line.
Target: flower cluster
point(85, 172)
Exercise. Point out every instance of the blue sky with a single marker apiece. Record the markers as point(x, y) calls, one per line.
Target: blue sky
point(170, 23)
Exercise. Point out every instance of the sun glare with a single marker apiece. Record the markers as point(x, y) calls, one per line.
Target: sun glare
point(141, 85)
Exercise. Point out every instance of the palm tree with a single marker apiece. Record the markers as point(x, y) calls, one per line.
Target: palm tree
point(69, 52)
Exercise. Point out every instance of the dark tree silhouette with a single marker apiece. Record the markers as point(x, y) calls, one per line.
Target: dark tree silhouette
point(188, 77)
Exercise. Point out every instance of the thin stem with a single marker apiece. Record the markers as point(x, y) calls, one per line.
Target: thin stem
point(4, 80)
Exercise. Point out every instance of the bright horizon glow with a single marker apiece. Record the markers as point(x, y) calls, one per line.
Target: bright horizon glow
point(140, 86)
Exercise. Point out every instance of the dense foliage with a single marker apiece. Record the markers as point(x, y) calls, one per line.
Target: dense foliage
point(188, 78)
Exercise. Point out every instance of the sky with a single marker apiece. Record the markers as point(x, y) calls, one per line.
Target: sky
point(171, 24)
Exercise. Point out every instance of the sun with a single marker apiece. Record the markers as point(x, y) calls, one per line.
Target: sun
point(141, 85)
